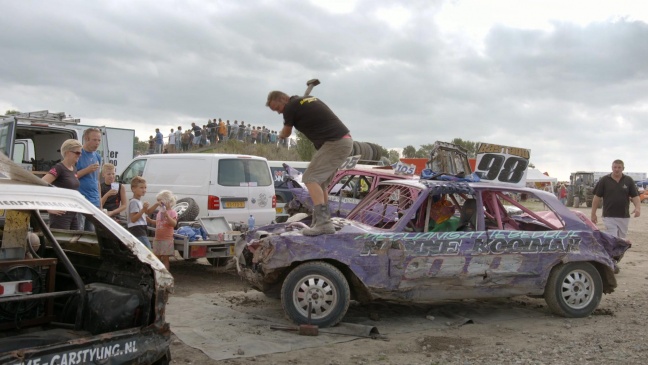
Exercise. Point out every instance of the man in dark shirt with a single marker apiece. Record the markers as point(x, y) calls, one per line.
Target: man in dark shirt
point(332, 141)
point(197, 135)
point(617, 190)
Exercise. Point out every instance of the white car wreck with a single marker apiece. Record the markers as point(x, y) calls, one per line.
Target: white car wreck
point(74, 297)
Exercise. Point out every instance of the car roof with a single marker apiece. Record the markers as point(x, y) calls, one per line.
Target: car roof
point(423, 184)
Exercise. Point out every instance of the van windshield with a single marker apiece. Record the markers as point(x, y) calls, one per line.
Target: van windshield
point(233, 172)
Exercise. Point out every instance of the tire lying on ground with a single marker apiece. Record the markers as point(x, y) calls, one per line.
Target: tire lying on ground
point(187, 209)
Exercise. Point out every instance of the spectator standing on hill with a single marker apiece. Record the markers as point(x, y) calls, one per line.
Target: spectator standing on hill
point(159, 141)
point(241, 134)
point(204, 140)
point(234, 131)
point(222, 131)
point(332, 140)
point(178, 139)
point(248, 133)
point(171, 142)
point(151, 147)
point(617, 190)
point(186, 140)
point(196, 131)
point(253, 135)
point(229, 129)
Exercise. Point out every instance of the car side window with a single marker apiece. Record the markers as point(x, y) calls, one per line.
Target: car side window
point(134, 169)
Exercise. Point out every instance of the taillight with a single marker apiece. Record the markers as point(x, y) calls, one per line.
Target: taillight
point(1, 289)
point(274, 201)
point(25, 287)
point(213, 202)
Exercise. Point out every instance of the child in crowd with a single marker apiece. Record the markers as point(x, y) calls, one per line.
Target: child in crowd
point(138, 212)
point(166, 221)
point(113, 194)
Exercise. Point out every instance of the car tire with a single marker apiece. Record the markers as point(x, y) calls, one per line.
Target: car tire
point(574, 289)
point(218, 261)
point(187, 209)
point(324, 286)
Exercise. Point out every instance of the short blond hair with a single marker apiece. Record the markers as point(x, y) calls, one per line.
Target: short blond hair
point(107, 166)
point(167, 197)
point(137, 181)
point(69, 145)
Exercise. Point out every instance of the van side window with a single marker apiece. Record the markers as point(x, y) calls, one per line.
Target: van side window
point(233, 172)
point(134, 169)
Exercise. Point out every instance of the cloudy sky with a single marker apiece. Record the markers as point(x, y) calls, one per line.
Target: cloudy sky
point(569, 80)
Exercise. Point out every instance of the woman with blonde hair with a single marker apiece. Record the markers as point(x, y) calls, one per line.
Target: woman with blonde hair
point(165, 222)
point(64, 175)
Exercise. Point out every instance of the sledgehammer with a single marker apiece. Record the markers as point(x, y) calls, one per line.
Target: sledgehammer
point(311, 84)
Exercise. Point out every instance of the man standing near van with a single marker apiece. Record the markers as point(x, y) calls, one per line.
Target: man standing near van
point(332, 141)
point(88, 172)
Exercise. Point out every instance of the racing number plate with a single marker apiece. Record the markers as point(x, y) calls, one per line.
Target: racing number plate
point(239, 204)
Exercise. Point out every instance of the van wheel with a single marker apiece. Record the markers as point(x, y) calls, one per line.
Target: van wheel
point(187, 209)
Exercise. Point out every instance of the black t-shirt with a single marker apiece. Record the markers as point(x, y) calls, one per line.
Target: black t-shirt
point(314, 119)
point(65, 178)
point(616, 195)
point(196, 129)
point(112, 202)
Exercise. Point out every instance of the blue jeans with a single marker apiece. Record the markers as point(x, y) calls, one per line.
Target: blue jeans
point(85, 224)
point(145, 241)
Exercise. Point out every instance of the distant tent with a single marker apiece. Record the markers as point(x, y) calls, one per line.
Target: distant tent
point(535, 178)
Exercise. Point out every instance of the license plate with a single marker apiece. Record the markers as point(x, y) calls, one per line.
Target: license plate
point(234, 205)
point(232, 250)
point(279, 210)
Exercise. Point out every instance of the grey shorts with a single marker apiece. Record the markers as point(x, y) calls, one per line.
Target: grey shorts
point(326, 161)
point(616, 226)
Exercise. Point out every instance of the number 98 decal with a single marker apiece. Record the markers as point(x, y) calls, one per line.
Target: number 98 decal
point(496, 167)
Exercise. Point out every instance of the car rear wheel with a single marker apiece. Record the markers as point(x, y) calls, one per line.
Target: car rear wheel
point(574, 289)
point(320, 284)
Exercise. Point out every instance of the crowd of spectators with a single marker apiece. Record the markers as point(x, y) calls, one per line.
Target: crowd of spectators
point(215, 131)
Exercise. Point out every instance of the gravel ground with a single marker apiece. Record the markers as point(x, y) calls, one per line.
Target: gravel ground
point(615, 334)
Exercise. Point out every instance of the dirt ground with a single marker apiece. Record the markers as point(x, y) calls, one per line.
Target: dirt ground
point(615, 334)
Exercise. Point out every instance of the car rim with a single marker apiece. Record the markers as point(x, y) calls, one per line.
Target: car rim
point(318, 291)
point(577, 289)
point(181, 207)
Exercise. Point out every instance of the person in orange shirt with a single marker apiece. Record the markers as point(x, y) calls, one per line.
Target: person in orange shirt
point(165, 222)
point(222, 131)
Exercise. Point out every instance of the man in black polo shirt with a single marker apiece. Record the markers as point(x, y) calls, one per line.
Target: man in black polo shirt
point(617, 190)
point(332, 141)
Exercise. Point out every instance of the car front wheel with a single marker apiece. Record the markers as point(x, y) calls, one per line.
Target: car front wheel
point(320, 284)
point(574, 289)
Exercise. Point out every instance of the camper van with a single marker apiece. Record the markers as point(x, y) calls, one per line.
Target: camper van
point(224, 185)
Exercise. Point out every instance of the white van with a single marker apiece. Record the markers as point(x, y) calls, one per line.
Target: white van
point(224, 185)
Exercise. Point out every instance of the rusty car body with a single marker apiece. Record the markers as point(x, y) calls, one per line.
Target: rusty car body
point(425, 241)
point(75, 297)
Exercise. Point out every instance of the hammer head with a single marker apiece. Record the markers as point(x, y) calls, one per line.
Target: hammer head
point(312, 82)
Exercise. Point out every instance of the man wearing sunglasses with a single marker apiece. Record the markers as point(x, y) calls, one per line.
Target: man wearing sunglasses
point(88, 168)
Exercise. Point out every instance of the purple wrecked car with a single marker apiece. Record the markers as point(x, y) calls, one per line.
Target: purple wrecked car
point(426, 241)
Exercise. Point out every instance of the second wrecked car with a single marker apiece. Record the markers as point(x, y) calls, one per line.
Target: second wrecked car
point(425, 241)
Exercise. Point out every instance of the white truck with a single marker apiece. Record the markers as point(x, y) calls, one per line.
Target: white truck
point(33, 140)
